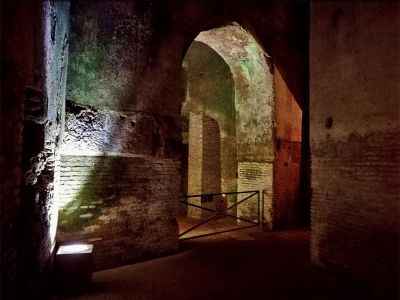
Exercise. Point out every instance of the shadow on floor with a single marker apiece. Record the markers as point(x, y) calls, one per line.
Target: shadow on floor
point(246, 264)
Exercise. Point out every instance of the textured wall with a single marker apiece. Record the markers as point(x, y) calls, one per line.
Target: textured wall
point(121, 151)
point(210, 87)
point(254, 111)
point(115, 58)
point(210, 92)
point(253, 176)
point(121, 204)
point(354, 75)
point(125, 70)
point(288, 137)
point(16, 69)
point(195, 159)
point(254, 96)
point(35, 81)
point(204, 162)
point(243, 108)
point(88, 129)
point(211, 162)
point(118, 184)
point(124, 56)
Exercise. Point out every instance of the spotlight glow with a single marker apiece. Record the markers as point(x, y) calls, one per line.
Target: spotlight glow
point(77, 248)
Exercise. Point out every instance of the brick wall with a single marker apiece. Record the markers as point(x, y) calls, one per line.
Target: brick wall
point(120, 181)
point(253, 176)
point(211, 164)
point(123, 204)
point(204, 162)
point(355, 149)
point(195, 159)
point(355, 207)
point(211, 158)
point(228, 165)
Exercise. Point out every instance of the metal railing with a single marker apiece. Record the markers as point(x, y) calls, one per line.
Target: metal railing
point(218, 214)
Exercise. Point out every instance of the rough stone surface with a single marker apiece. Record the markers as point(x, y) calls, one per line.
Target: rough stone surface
point(36, 83)
point(354, 129)
point(88, 129)
point(118, 184)
point(254, 96)
point(125, 57)
point(254, 111)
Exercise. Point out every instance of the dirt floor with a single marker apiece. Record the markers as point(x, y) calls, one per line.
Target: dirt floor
point(246, 264)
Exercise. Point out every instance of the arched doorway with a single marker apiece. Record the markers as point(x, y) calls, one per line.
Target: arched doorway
point(228, 122)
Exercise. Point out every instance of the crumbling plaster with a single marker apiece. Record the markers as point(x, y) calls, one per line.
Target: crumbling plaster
point(254, 97)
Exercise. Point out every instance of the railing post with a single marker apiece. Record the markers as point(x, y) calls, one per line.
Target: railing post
point(262, 208)
point(215, 211)
point(258, 210)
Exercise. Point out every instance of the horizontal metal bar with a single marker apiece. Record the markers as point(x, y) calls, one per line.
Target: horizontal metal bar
point(213, 233)
point(255, 193)
point(197, 225)
point(242, 219)
point(227, 193)
point(265, 193)
point(194, 205)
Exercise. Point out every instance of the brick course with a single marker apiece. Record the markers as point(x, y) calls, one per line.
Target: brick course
point(125, 205)
point(355, 193)
point(253, 176)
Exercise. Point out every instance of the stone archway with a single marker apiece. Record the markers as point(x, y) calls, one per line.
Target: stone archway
point(228, 79)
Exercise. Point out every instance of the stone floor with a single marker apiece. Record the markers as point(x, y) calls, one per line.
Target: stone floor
point(246, 264)
point(215, 225)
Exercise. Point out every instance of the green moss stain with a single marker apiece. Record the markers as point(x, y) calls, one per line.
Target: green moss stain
point(85, 207)
point(96, 194)
point(250, 65)
point(88, 61)
point(211, 86)
point(83, 81)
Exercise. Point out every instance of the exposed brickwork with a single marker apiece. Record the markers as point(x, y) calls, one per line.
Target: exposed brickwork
point(119, 186)
point(125, 205)
point(355, 148)
point(255, 176)
point(195, 159)
point(355, 195)
point(228, 165)
point(184, 179)
point(204, 162)
point(129, 56)
point(211, 158)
